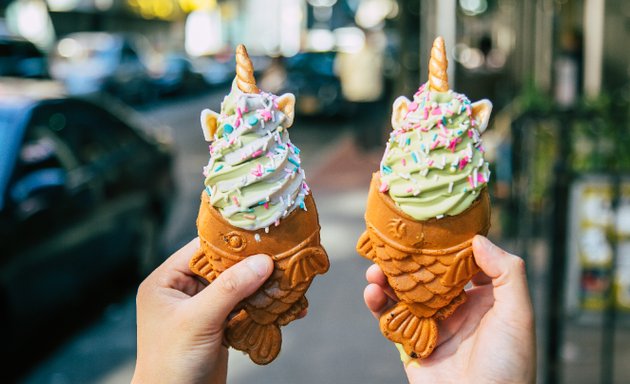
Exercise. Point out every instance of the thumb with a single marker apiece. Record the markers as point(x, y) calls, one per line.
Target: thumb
point(508, 276)
point(239, 281)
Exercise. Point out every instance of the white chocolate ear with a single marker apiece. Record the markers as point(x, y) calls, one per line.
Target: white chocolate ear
point(209, 122)
point(481, 113)
point(286, 103)
point(401, 106)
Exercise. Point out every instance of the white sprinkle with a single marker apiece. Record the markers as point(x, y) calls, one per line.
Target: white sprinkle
point(475, 174)
point(266, 229)
point(439, 217)
point(257, 237)
point(450, 187)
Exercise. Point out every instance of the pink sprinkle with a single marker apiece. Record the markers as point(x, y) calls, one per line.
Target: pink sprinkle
point(266, 205)
point(413, 106)
point(277, 222)
point(237, 123)
point(257, 153)
point(235, 200)
point(435, 144)
point(481, 149)
point(409, 190)
point(265, 114)
point(452, 145)
point(384, 187)
point(471, 182)
point(430, 162)
point(480, 178)
point(436, 111)
point(470, 133)
point(463, 162)
point(404, 162)
point(257, 171)
point(425, 113)
point(250, 217)
point(239, 113)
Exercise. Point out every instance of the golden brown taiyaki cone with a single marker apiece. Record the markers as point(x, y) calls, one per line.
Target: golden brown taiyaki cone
point(425, 205)
point(256, 201)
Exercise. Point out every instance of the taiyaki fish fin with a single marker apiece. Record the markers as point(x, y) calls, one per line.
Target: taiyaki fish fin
point(292, 313)
point(304, 265)
point(200, 266)
point(447, 311)
point(461, 270)
point(364, 246)
point(260, 342)
point(417, 335)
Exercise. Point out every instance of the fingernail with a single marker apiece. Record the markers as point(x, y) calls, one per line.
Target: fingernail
point(485, 243)
point(258, 264)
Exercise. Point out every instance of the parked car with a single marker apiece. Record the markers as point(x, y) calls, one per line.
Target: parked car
point(178, 75)
point(311, 77)
point(92, 62)
point(21, 58)
point(84, 192)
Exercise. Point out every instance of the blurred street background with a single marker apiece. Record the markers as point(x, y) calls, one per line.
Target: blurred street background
point(101, 156)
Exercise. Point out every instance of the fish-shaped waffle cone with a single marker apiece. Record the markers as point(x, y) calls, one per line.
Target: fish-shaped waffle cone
point(293, 243)
point(428, 258)
point(298, 256)
point(427, 263)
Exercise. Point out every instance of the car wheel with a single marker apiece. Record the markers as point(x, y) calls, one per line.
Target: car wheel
point(147, 249)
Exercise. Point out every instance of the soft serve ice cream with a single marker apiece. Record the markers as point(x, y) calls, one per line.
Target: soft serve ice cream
point(254, 176)
point(433, 164)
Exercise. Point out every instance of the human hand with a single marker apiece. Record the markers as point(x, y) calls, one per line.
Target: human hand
point(488, 339)
point(181, 318)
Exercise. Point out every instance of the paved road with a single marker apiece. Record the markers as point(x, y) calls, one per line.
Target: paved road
point(338, 342)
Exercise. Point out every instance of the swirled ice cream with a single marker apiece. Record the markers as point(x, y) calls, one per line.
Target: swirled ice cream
point(433, 164)
point(253, 176)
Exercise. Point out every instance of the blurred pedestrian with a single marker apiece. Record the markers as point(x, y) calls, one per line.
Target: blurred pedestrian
point(489, 339)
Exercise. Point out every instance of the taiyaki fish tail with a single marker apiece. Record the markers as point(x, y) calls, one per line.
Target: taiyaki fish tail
point(417, 335)
point(261, 342)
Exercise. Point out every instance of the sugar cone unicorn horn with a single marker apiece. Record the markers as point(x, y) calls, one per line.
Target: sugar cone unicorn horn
point(256, 200)
point(425, 205)
point(245, 71)
point(438, 64)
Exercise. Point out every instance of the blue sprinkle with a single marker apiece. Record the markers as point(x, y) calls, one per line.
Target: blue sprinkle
point(227, 128)
point(434, 136)
point(253, 120)
point(292, 161)
point(282, 147)
point(262, 202)
point(296, 150)
point(387, 169)
point(415, 158)
point(408, 141)
point(208, 191)
point(218, 168)
point(269, 170)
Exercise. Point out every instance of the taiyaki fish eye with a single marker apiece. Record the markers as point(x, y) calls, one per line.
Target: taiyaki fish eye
point(235, 241)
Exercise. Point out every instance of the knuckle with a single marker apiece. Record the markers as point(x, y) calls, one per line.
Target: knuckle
point(228, 283)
